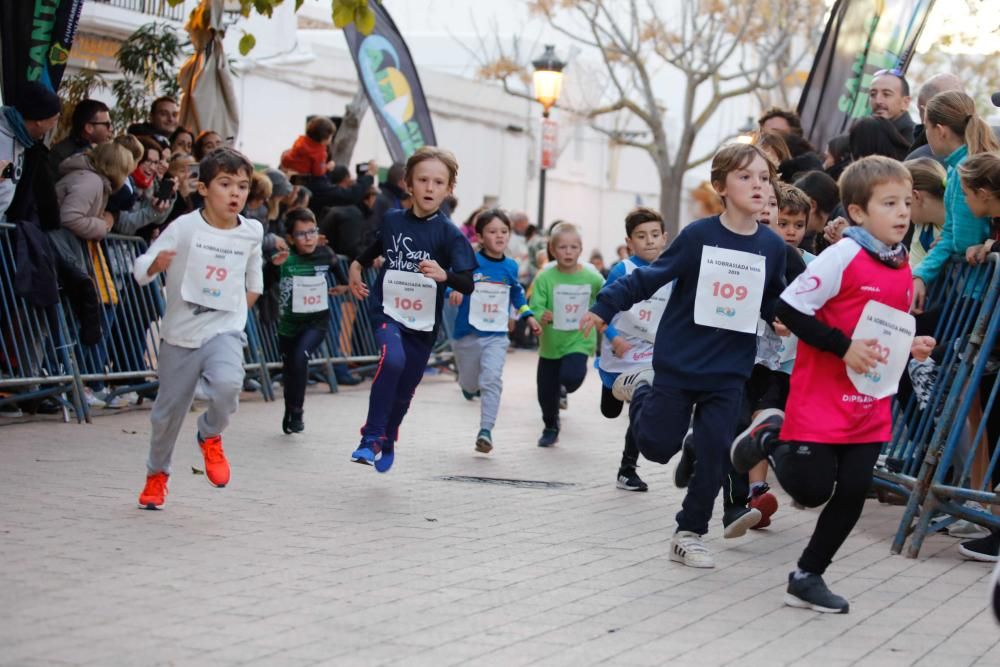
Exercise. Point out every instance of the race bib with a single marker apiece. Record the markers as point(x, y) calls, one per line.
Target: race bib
point(489, 307)
point(569, 303)
point(730, 289)
point(410, 299)
point(643, 319)
point(894, 330)
point(309, 294)
point(214, 276)
point(789, 348)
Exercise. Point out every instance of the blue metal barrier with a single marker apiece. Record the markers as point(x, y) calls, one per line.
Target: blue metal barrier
point(965, 300)
point(35, 360)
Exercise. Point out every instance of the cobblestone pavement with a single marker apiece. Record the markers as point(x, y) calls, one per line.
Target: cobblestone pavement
point(309, 559)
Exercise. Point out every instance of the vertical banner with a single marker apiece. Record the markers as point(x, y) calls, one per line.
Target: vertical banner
point(861, 38)
point(550, 143)
point(392, 85)
point(35, 38)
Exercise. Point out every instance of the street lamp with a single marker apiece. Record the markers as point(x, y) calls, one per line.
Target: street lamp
point(548, 84)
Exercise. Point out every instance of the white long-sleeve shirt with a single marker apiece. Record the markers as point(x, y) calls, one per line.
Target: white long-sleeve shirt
point(186, 324)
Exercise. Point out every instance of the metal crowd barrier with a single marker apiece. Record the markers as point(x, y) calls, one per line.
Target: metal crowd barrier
point(35, 360)
point(918, 463)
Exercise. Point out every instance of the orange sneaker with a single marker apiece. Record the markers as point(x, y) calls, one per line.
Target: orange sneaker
point(155, 492)
point(216, 465)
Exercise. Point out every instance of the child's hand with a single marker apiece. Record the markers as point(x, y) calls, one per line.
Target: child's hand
point(322, 240)
point(589, 321)
point(919, 296)
point(976, 254)
point(547, 317)
point(834, 230)
point(356, 282)
point(162, 262)
point(455, 298)
point(922, 347)
point(280, 257)
point(861, 356)
point(433, 270)
point(780, 328)
point(620, 346)
point(535, 327)
point(338, 290)
point(330, 165)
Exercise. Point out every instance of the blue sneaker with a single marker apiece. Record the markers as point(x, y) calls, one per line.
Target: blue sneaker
point(365, 453)
point(388, 454)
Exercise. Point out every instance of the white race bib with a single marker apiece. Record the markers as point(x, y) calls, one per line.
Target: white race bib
point(789, 348)
point(309, 294)
point(730, 289)
point(894, 330)
point(215, 273)
point(410, 299)
point(643, 319)
point(489, 307)
point(569, 303)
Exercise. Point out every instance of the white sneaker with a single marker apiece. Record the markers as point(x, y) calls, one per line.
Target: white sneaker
point(129, 397)
point(110, 402)
point(687, 548)
point(92, 400)
point(967, 530)
point(626, 384)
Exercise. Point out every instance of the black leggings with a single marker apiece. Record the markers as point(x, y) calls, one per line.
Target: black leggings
point(611, 407)
point(838, 475)
point(568, 372)
point(295, 353)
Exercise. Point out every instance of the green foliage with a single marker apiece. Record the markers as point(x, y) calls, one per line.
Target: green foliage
point(344, 12)
point(148, 61)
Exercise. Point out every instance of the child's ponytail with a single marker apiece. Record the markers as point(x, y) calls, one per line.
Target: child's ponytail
point(957, 111)
point(982, 172)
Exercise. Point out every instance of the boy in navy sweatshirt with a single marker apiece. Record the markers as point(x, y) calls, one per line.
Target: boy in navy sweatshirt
point(727, 273)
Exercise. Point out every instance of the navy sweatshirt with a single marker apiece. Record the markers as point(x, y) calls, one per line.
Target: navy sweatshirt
point(687, 355)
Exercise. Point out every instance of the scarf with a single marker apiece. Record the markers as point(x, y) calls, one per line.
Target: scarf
point(893, 257)
point(16, 122)
point(142, 181)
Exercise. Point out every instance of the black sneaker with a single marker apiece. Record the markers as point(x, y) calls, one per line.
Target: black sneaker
point(985, 549)
point(292, 422)
point(810, 592)
point(550, 436)
point(628, 480)
point(738, 520)
point(685, 466)
point(747, 450)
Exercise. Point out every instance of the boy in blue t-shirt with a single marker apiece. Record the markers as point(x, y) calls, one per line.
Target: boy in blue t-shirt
point(481, 323)
point(727, 273)
point(627, 346)
point(424, 252)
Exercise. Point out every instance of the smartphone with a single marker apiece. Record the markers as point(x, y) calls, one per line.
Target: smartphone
point(361, 169)
point(165, 189)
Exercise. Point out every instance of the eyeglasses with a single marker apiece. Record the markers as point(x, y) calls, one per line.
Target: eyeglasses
point(306, 233)
point(105, 123)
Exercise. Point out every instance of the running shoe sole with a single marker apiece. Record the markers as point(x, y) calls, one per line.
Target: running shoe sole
point(799, 603)
point(483, 446)
point(624, 486)
point(740, 527)
point(975, 555)
point(742, 466)
point(363, 456)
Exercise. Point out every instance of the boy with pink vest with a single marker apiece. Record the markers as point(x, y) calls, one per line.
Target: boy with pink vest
point(823, 450)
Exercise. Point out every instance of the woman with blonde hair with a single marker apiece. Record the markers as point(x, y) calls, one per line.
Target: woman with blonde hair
point(954, 132)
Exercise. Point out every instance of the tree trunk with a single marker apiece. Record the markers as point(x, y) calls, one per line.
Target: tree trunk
point(671, 198)
point(347, 135)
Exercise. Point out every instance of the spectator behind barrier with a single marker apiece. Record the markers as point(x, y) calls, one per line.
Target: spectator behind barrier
point(927, 212)
point(164, 116)
point(205, 143)
point(780, 120)
point(838, 156)
point(825, 196)
point(91, 126)
point(182, 141)
point(875, 135)
point(889, 97)
point(21, 126)
point(774, 146)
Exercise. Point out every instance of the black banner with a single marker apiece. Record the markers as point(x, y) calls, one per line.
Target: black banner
point(861, 38)
point(35, 39)
point(391, 83)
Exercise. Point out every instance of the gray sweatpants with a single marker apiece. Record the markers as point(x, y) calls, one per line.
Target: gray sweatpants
point(220, 362)
point(480, 362)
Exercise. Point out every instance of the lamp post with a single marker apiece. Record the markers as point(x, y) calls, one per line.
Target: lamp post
point(547, 79)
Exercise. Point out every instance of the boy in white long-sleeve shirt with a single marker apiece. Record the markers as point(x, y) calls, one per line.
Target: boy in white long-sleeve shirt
point(214, 261)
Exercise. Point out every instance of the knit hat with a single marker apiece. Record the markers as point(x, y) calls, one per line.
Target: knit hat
point(279, 182)
point(37, 102)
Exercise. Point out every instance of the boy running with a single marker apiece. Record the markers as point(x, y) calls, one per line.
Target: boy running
point(214, 261)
